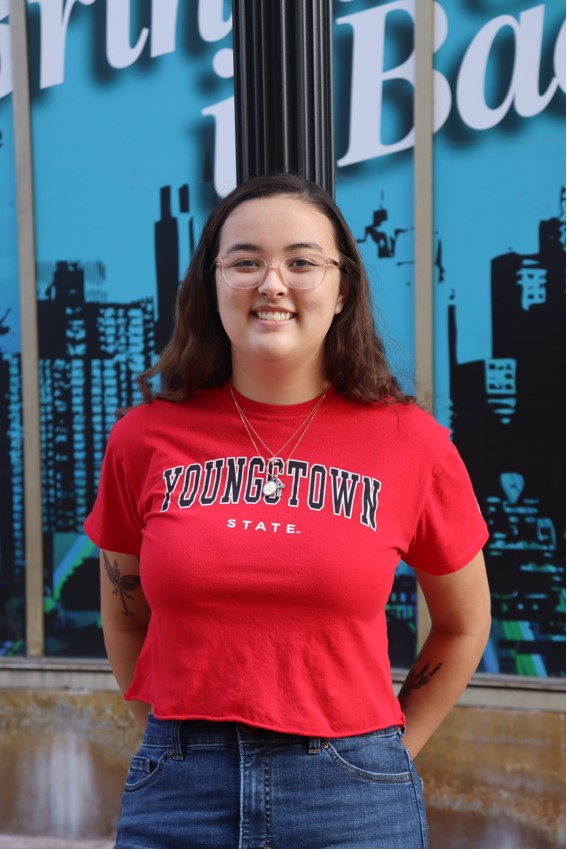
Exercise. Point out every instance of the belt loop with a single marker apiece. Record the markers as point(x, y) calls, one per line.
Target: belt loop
point(176, 739)
point(314, 746)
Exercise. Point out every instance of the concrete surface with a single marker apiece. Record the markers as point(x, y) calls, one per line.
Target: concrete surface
point(493, 778)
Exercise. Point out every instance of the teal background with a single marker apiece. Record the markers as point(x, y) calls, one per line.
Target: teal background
point(106, 141)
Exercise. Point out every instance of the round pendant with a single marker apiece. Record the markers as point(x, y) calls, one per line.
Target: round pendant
point(270, 488)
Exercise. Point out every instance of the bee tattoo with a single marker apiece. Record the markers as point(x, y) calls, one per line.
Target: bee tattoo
point(123, 585)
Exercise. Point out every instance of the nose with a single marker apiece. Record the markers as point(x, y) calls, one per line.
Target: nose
point(273, 282)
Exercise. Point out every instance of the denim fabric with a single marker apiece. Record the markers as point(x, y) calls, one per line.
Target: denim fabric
point(201, 784)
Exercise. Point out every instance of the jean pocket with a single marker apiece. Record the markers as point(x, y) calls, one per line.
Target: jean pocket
point(400, 737)
point(145, 766)
point(375, 759)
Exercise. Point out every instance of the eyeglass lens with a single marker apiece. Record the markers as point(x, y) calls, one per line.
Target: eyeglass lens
point(298, 271)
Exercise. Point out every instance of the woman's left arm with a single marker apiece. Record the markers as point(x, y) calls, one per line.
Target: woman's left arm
point(459, 606)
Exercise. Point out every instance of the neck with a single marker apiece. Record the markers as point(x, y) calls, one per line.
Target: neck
point(274, 386)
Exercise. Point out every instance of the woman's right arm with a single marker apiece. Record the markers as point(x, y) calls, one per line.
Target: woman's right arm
point(125, 618)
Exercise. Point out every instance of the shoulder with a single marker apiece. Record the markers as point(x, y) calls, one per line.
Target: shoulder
point(403, 437)
point(407, 424)
point(135, 421)
point(158, 419)
point(413, 422)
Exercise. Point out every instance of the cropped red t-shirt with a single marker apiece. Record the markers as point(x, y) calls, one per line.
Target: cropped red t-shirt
point(270, 610)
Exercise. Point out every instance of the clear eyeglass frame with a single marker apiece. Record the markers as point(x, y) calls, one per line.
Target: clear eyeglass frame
point(251, 280)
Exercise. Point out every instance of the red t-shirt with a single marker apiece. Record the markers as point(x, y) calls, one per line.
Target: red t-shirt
point(271, 610)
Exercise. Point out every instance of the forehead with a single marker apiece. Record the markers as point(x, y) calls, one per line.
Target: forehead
point(277, 223)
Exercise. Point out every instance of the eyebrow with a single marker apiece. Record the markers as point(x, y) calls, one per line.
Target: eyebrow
point(250, 246)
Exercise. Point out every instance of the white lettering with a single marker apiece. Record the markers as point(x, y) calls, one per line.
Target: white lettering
point(225, 145)
point(5, 51)
point(210, 21)
point(524, 85)
point(261, 526)
point(54, 19)
point(367, 81)
point(368, 74)
point(118, 50)
point(442, 97)
point(529, 47)
point(163, 28)
point(559, 57)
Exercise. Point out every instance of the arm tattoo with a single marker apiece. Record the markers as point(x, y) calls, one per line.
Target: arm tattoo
point(123, 585)
point(416, 679)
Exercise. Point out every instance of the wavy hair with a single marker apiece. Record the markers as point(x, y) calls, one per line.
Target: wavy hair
point(198, 354)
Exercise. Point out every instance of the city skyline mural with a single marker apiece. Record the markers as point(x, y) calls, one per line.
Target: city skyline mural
point(118, 212)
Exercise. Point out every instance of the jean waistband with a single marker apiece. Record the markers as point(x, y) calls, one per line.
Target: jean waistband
point(163, 732)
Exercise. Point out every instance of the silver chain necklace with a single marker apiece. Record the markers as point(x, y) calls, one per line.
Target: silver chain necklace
point(273, 485)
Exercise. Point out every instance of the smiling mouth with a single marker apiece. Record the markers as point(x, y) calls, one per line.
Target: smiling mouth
point(274, 316)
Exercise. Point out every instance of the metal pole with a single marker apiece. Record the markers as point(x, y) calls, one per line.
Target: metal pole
point(283, 87)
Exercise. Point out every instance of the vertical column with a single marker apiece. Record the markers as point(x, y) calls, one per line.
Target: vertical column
point(283, 84)
point(423, 201)
point(30, 354)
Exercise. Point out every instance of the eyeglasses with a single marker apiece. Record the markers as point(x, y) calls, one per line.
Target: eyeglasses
point(300, 271)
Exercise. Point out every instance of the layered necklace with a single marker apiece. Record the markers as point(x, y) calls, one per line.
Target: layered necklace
point(273, 485)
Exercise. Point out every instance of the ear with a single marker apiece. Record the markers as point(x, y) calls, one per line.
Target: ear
point(342, 297)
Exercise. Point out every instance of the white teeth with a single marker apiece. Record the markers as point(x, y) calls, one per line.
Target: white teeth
point(275, 317)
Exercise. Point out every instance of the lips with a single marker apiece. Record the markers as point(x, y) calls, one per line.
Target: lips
point(273, 316)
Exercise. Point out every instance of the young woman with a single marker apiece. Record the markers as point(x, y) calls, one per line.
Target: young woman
point(250, 517)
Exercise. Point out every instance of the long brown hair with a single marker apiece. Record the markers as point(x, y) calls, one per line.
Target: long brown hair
point(198, 354)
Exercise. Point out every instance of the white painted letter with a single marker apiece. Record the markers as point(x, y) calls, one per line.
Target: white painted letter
point(529, 47)
point(164, 25)
point(55, 16)
point(368, 77)
point(5, 52)
point(524, 84)
point(225, 145)
point(118, 50)
point(210, 21)
point(442, 97)
point(559, 58)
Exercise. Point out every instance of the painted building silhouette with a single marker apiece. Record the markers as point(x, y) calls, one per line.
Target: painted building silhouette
point(508, 420)
point(89, 356)
point(12, 542)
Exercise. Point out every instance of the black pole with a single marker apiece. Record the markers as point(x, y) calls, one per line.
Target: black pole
point(283, 88)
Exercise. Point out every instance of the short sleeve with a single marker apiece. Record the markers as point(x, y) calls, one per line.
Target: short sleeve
point(115, 522)
point(451, 529)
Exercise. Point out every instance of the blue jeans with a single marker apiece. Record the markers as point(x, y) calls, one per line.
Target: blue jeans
point(202, 784)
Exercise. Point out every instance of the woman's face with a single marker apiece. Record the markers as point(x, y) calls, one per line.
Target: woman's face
point(273, 323)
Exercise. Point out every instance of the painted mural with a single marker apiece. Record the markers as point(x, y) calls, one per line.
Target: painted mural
point(133, 142)
point(499, 199)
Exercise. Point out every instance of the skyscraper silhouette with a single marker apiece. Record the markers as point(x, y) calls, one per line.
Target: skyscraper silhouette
point(508, 421)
